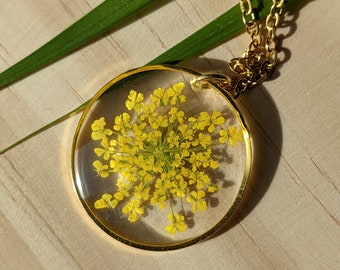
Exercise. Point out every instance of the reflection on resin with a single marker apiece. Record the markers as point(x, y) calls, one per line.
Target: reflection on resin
point(160, 156)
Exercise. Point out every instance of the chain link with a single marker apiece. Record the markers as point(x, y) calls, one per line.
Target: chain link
point(258, 61)
point(248, 17)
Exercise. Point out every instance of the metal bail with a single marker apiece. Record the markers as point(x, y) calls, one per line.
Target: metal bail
point(224, 82)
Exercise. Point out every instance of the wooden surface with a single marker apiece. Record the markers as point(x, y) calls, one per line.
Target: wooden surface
point(290, 218)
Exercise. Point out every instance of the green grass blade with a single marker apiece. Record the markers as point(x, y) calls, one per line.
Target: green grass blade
point(101, 19)
point(51, 124)
point(211, 35)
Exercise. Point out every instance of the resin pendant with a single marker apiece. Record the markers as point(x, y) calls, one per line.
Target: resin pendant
point(159, 164)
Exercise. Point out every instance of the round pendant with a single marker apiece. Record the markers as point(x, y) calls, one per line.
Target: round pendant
point(158, 164)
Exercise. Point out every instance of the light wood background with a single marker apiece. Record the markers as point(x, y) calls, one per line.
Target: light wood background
point(290, 218)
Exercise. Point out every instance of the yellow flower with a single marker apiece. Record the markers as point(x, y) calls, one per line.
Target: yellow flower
point(176, 91)
point(157, 97)
point(233, 135)
point(176, 115)
point(197, 201)
point(102, 170)
point(196, 160)
point(177, 224)
point(158, 121)
point(159, 197)
point(123, 190)
point(224, 136)
point(98, 129)
point(133, 209)
point(179, 186)
point(213, 164)
point(187, 133)
point(178, 162)
point(200, 179)
point(161, 155)
point(107, 150)
point(204, 120)
point(173, 139)
point(204, 140)
point(142, 192)
point(154, 136)
point(185, 146)
point(105, 202)
point(213, 188)
point(98, 124)
point(140, 134)
point(134, 101)
point(122, 122)
point(216, 119)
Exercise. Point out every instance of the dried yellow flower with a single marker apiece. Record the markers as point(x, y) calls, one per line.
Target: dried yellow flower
point(161, 155)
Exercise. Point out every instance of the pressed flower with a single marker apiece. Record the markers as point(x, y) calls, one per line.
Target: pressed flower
point(106, 202)
point(162, 156)
point(123, 190)
point(178, 162)
point(213, 164)
point(99, 131)
point(134, 101)
point(102, 170)
point(213, 188)
point(173, 139)
point(204, 140)
point(177, 96)
point(176, 115)
point(216, 119)
point(233, 135)
point(157, 96)
point(197, 200)
point(159, 197)
point(142, 192)
point(177, 224)
point(187, 133)
point(107, 150)
point(200, 179)
point(122, 123)
point(133, 209)
point(98, 124)
point(204, 119)
point(179, 186)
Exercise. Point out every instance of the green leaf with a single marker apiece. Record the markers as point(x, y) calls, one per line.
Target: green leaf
point(211, 35)
point(101, 19)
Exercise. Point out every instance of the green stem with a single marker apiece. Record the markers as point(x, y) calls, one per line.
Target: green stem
point(51, 124)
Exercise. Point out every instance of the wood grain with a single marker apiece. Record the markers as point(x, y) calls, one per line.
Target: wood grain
point(290, 219)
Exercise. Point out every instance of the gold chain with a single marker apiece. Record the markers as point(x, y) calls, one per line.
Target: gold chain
point(253, 28)
point(259, 60)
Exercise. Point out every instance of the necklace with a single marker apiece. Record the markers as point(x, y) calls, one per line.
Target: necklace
point(162, 155)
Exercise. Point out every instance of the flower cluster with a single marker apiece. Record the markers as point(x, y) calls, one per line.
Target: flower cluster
point(159, 155)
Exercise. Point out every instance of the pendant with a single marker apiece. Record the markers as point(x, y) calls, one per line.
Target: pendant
point(160, 161)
